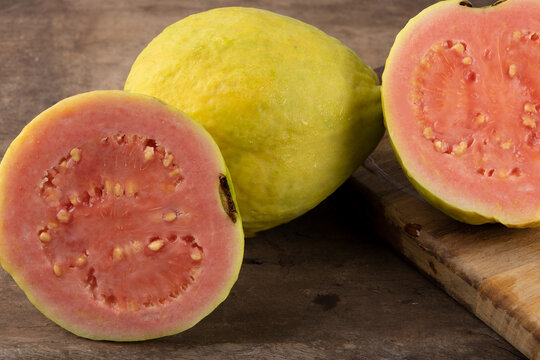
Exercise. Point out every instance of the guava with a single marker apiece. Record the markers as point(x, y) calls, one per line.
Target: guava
point(293, 110)
point(117, 227)
point(461, 101)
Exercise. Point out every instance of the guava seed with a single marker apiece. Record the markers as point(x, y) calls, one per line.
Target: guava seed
point(167, 161)
point(130, 189)
point(441, 146)
point(196, 256)
point(108, 186)
point(155, 245)
point(136, 246)
point(460, 148)
point(528, 121)
point(63, 216)
point(45, 237)
point(74, 200)
point(512, 70)
point(428, 133)
point(480, 118)
point(174, 172)
point(118, 190)
point(170, 216)
point(507, 144)
point(81, 260)
point(57, 269)
point(118, 253)
point(530, 108)
point(148, 153)
point(75, 154)
point(459, 48)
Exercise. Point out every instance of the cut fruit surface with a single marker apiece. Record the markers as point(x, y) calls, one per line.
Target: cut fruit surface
point(461, 99)
point(117, 227)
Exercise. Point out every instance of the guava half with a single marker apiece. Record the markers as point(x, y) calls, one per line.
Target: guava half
point(118, 217)
point(461, 100)
point(293, 110)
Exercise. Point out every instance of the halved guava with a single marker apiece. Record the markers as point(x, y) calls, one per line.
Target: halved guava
point(461, 100)
point(117, 227)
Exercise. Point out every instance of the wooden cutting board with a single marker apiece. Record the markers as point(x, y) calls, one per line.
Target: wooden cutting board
point(492, 270)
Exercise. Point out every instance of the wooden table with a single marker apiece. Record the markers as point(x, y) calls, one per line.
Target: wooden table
point(321, 287)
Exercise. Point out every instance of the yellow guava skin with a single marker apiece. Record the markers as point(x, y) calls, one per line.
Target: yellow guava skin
point(293, 110)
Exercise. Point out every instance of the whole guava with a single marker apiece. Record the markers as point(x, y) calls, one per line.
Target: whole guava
point(293, 110)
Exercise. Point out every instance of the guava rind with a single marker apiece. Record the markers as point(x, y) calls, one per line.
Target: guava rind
point(395, 58)
point(30, 135)
point(293, 110)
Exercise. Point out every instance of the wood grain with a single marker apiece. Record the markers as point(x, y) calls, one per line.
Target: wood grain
point(490, 269)
point(321, 287)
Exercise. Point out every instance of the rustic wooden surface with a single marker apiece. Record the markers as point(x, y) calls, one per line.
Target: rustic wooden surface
point(492, 270)
point(321, 287)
